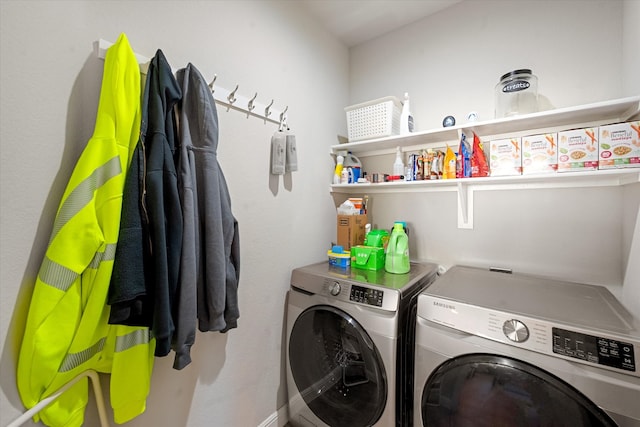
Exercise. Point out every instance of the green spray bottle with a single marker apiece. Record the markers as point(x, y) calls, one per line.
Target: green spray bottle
point(397, 255)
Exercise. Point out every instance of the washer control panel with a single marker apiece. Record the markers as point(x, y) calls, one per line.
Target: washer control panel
point(603, 351)
point(535, 334)
point(367, 296)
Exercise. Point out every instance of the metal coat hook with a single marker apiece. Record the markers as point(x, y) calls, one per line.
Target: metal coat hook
point(267, 113)
point(215, 76)
point(250, 105)
point(232, 96)
point(283, 118)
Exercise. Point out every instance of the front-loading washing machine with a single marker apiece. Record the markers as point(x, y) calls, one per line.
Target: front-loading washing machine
point(349, 345)
point(501, 349)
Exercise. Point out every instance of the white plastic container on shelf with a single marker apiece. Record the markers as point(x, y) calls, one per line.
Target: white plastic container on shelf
point(374, 119)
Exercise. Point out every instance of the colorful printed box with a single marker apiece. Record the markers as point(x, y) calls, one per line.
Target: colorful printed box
point(540, 153)
point(505, 157)
point(619, 146)
point(578, 150)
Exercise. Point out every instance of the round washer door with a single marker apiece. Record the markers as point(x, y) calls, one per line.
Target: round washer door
point(487, 390)
point(337, 368)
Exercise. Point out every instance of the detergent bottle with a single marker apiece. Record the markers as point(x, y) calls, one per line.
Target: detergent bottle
point(337, 173)
point(397, 255)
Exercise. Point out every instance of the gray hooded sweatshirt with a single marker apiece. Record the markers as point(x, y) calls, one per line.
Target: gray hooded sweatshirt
point(210, 262)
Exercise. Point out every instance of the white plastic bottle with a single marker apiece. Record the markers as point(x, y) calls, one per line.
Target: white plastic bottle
point(337, 173)
point(351, 161)
point(398, 164)
point(406, 118)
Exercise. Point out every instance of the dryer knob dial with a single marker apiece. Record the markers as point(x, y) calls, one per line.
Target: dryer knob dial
point(334, 288)
point(515, 330)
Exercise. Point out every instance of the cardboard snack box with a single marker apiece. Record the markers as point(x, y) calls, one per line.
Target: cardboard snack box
point(505, 157)
point(540, 153)
point(619, 146)
point(578, 150)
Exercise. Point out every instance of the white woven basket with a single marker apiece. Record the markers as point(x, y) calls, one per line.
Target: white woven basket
point(374, 119)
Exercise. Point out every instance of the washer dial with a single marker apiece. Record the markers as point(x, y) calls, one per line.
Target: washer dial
point(334, 288)
point(515, 330)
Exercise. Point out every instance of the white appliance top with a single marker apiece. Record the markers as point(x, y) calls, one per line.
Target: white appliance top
point(569, 320)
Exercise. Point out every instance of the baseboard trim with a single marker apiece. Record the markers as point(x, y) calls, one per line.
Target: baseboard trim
point(277, 419)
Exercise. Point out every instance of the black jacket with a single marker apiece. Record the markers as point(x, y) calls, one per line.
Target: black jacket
point(162, 201)
point(157, 223)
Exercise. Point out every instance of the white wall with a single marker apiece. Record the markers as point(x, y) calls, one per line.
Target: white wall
point(630, 46)
point(50, 81)
point(449, 63)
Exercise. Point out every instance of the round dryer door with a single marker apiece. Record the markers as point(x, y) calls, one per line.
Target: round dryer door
point(337, 368)
point(487, 390)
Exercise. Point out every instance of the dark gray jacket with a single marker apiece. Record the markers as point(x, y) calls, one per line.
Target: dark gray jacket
point(210, 262)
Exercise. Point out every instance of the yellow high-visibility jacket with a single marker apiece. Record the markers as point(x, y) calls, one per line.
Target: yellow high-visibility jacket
point(67, 330)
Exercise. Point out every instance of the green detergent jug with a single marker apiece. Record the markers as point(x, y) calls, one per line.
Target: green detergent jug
point(397, 256)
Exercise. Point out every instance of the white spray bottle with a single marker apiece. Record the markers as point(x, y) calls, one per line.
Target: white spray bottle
point(398, 164)
point(406, 118)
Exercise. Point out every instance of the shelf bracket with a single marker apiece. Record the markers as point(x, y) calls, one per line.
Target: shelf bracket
point(465, 206)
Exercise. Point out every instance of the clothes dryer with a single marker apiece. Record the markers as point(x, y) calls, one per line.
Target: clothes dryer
point(500, 349)
point(349, 345)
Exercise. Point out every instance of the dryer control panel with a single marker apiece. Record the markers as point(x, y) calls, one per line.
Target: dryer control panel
point(367, 296)
point(347, 291)
point(603, 351)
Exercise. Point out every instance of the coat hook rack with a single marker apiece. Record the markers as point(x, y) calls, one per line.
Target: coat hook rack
point(221, 95)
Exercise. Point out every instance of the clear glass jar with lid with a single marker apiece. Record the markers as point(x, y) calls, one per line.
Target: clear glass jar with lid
point(516, 93)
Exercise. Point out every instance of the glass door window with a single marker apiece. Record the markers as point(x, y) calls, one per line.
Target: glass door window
point(480, 390)
point(337, 369)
